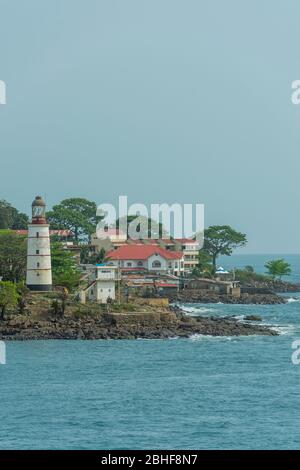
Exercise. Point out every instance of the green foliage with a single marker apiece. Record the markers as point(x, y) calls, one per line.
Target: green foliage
point(59, 304)
point(278, 268)
point(97, 258)
point(11, 218)
point(9, 297)
point(222, 240)
point(23, 291)
point(146, 227)
point(87, 258)
point(204, 267)
point(124, 307)
point(250, 269)
point(87, 311)
point(247, 275)
point(13, 252)
point(76, 214)
point(64, 267)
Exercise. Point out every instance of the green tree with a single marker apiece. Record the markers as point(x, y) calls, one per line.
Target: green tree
point(64, 267)
point(204, 267)
point(76, 214)
point(249, 268)
point(13, 252)
point(153, 229)
point(23, 292)
point(87, 258)
point(9, 297)
point(11, 218)
point(278, 268)
point(97, 257)
point(222, 240)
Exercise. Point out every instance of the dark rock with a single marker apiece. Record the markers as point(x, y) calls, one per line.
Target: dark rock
point(253, 318)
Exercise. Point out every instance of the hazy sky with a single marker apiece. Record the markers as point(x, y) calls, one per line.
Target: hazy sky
point(160, 100)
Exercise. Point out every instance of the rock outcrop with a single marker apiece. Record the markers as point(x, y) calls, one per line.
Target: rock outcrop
point(204, 296)
point(127, 326)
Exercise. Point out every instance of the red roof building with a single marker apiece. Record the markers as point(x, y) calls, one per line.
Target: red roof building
point(148, 257)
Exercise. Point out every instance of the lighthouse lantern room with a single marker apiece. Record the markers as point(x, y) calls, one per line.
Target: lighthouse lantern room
point(39, 275)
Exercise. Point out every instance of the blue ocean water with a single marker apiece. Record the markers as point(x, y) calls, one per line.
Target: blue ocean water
point(197, 393)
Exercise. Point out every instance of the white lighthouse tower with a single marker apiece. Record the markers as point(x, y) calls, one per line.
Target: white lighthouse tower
point(39, 275)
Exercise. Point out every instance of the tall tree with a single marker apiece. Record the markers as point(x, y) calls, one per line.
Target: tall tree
point(144, 227)
point(11, 218)
point(64, 267)
point(222, 240)
point(76, 214)
point(13, 253)
point(204, 267)
point(278, 268)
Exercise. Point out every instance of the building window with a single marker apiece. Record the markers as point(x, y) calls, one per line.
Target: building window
point(37, 252)
point(140, 263)
point(37, 265)
point(156, 264)
point(129, 265)
point(37, 234)
point(37, 274)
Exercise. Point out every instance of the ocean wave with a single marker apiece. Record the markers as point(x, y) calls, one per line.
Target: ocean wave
point(284, 329)
point(293, 299)
point(239, 317)
point(198, 310)
point(199, 337)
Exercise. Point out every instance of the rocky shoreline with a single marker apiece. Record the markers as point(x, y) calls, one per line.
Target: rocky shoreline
point(198, 296)
point(159, 325)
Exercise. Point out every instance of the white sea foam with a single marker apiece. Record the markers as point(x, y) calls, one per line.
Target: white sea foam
point(199, 337)
point(285, 329)
point(197, 310)
point(293, 299)
point(239, 317)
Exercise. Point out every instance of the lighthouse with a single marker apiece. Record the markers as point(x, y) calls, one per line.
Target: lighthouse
point(39, 274)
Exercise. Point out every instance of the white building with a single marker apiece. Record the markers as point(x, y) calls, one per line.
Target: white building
point(39, 274)
point(190, 249)
point(102, 286)
point(147, 257)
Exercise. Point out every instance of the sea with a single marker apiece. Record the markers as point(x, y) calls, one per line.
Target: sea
point(197, 393)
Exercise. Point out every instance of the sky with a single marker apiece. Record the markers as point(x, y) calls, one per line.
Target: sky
point(165, 101)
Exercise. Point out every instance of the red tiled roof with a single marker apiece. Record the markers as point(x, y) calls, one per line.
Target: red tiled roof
point(142, 252)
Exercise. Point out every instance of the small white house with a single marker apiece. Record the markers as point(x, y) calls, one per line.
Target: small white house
point(103, 284)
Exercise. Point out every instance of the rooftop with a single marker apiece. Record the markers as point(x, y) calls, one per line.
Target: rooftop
point(142, 252)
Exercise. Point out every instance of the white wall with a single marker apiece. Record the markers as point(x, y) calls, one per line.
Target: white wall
point(164, 263)
point(105, 289)
point(38, 264)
